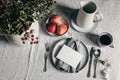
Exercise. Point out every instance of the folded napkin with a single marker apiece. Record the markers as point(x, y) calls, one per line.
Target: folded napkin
point(74, 44)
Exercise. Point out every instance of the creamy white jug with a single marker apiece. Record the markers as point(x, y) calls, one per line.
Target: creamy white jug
point(88, 15)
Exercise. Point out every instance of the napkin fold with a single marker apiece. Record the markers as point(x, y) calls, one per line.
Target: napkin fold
point(74, 44)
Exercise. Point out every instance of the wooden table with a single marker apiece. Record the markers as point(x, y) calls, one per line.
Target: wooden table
point(26, 63)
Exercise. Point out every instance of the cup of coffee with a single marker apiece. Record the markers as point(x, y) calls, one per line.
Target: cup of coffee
point(88, 15)
point(105, 39)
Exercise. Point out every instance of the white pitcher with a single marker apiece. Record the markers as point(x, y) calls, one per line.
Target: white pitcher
point(88, 15)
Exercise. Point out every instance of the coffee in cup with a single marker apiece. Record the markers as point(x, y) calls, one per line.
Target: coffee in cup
point(105, 39)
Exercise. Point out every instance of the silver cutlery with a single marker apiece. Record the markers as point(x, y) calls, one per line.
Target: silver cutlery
point(96, 53)
point(90, 62)
point(46, 57)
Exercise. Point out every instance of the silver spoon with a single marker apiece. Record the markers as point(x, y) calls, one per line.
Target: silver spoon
point(96, 53)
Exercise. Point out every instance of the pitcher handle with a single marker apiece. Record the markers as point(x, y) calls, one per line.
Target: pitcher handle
point(98, 17)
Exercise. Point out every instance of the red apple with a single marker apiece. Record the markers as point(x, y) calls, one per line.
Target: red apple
point(61, 29)
point(51, 27)
point(56, 19)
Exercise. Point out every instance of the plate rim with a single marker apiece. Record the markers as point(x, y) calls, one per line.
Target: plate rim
point(52, 60)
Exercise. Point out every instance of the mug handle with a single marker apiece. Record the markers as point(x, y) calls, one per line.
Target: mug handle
point(112, 45)
point(98, 17)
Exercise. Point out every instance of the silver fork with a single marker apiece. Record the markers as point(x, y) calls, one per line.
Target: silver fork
point(46, 56)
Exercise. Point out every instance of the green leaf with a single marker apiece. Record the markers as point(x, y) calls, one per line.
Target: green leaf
point(30, 18)
point(19, 25)
point(18, 13)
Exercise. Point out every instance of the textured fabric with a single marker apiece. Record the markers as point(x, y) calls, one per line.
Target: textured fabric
point(22, 63)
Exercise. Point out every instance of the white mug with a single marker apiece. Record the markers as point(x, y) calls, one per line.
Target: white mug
point(105, 39)
point(88, 15)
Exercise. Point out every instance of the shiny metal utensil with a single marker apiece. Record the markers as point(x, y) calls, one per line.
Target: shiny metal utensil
point(45, 57)
point(96, 53)
point(90, 62)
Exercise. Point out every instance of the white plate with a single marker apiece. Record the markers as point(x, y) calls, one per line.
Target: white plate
point(59, 45)
point(80, 29)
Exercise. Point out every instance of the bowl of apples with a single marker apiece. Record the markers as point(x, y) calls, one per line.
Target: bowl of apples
point(57, 25)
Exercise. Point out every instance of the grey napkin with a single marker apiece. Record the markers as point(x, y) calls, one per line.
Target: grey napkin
point(74, 44)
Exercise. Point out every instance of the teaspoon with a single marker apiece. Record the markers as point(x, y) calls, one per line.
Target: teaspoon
point(96, 53)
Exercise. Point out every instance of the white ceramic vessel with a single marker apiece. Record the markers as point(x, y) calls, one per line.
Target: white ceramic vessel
point(17, 39)
point(88, 15)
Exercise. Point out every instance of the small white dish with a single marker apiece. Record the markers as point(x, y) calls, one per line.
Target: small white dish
point(64, 21)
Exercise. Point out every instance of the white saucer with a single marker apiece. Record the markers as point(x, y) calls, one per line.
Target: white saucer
point(79, 28)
